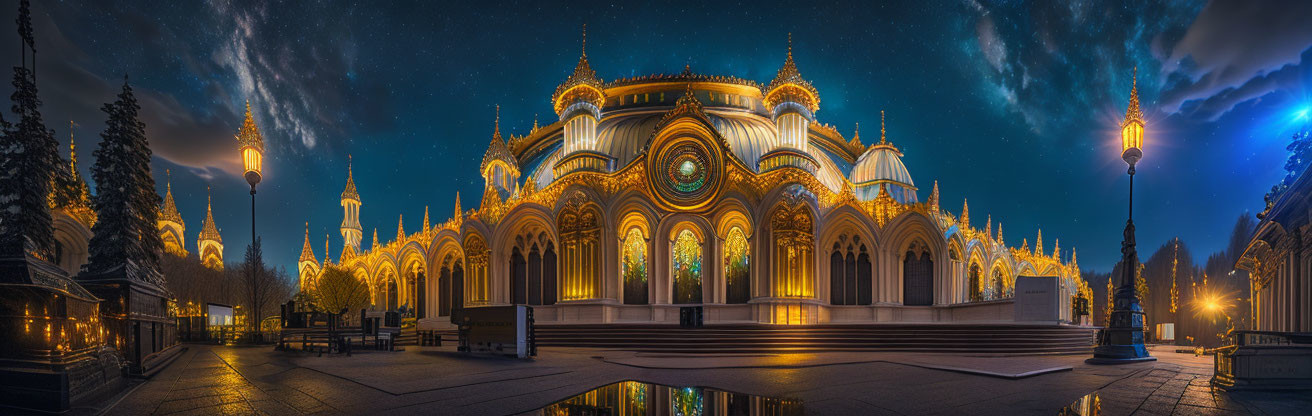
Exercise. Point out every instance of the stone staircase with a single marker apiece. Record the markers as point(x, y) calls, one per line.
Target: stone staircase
point(752, 338)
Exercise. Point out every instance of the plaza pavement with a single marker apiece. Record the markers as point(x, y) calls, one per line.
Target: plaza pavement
point(437, 380)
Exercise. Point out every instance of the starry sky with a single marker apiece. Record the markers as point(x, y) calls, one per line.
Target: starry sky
point(1012, 106)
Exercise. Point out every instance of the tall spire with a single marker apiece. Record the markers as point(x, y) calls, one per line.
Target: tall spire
point(1056, 249)
point(1001, 242)
point(496, 124)
point(208, 231)
point(1038, 243)
point(72, 149)
point(400, 228)
point(459, 214)
point(583, 76)
point(883, 132)
point(307, 253)
point(988, 225)
point(965, 213)
point(327, 258)
point(169, 212)
point(933, 199)
point(375, 238)
point(426, 226)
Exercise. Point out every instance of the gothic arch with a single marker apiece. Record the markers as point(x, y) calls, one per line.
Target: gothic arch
point(848, 254)
point(792, 225)
point(526, 228)
point(663, 273)
point(579, 223)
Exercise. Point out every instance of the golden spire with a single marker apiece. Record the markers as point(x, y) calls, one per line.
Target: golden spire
point(249, 135)
point(1038, 243)
point(856, 136)
point(459, 213)
point(169, 212)
point(496, 124)
point(1024, 245)
point(72, 149)
point(208, 231)
point(988, 225)
point(965, 214)
point(350, 193)
point(307, 253)
point(375, 243)
point(1056, 249)
point(426, 226)
point(583, 76)
point(788, 85)
point(933, 199)
point(1133, 113)
point(400, 228)
point(327, 258)
point(1000, 241)
point(535, 123)
point(883, 133)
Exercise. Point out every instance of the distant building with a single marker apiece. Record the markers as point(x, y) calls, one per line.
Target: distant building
point(661, 191)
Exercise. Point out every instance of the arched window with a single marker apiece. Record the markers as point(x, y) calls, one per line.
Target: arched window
point(793, 259)
point(917, 276)
point(457, 288)
point(633, 267)
point(974, 283)
point(999, 284)
point(849, 272)
point(533, 276)
point(686, 264)
point(518, 277)
point(738, 285)
point(391, 294)
point(476, 257)
point(580, 236)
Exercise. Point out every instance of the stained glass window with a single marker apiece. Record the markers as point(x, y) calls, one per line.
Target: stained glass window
point(687, 262)
point(688, 401)
point(633, 263)
point(737, 275)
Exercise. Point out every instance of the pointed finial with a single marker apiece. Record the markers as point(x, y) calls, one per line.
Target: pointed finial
point(496, 123)
point(72, 148)
point(883, 133)
point(790, 46)
point(965, 213)
point(1000, 240)
point(426, 226)
point(1038, 243)
point(585, 40)
point(933, 198)
point(168, 181)
point(400, 228)
point(535, 122)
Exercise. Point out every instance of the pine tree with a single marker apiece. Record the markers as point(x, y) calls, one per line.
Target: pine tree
point(1300, 156)
point(30, 159)
point(125, 194)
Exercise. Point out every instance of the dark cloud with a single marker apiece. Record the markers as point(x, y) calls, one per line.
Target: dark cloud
point(1237, 51)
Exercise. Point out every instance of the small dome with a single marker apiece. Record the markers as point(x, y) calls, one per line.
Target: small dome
point(881, 164)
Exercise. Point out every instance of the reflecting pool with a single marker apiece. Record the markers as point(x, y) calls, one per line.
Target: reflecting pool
point(633, 398)
point(1089, 405)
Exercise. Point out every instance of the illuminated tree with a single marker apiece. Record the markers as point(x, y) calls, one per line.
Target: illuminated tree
point(339, 291)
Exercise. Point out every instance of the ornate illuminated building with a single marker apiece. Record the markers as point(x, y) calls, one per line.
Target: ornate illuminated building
point(209, 244)
point(661, 191)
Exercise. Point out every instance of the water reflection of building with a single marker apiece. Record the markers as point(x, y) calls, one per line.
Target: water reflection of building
point(659, 191)
point(631, 398)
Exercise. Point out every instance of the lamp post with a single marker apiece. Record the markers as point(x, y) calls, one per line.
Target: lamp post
point(1122, 340)
point(252, 158)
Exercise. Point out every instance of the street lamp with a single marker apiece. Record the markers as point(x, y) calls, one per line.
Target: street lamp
point(252, 157)
point(1122, 340)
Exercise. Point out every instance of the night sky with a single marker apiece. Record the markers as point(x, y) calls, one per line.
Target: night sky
point(1014, 107)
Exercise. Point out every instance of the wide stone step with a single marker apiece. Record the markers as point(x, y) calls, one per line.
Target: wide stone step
point(770, 338)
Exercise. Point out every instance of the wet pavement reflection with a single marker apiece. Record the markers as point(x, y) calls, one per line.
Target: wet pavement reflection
point(1089, 405)
point(633, 398)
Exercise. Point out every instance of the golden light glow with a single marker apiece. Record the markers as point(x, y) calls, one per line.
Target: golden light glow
point(251, 159)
